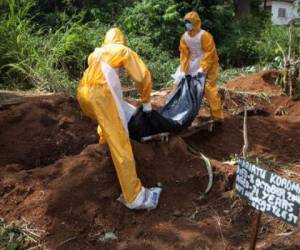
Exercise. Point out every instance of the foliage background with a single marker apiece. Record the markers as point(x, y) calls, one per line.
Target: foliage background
point(44, 44)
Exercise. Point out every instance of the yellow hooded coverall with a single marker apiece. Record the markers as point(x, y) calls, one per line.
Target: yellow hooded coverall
point(206, 52)
point(97, 100)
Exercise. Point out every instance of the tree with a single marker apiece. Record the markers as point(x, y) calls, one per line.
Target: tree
point(242, 7)
point(265, 4)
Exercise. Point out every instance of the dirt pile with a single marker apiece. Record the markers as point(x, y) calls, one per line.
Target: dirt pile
point(257, 82)
point(77, 195)
point(73, 195)
point(36, 131)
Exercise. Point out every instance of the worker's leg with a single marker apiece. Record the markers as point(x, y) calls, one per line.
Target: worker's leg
point(104, 107)
point(211, 93)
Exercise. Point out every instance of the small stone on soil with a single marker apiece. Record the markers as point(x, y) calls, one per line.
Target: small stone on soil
point(177, 213)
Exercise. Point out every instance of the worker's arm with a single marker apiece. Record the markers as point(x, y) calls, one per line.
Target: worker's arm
point(139, 73)
point(91, 59)
point(210, 53)
point(184, 56)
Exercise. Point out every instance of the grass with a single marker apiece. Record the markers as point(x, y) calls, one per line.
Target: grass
point(18, 236)
point(229, 74)
point(41, 57)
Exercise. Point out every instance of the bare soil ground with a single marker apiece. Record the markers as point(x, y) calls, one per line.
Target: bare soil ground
point(55, 176)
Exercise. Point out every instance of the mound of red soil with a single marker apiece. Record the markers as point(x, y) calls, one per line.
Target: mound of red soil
point(73, 198)
point(38, 130)
point(257, 82)
point(77, 195)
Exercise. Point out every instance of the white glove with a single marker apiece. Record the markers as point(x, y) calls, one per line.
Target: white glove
point(200, 72)
point(178, 77)
point(147, 199)
point(147, 107)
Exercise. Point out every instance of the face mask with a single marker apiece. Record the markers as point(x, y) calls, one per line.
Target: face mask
point(188, 26)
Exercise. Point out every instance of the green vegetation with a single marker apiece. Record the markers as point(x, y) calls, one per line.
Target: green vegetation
point(45, 58)
point(44, 44)
point(14, 236)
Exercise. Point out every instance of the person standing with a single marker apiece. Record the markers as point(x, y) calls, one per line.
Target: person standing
point(198, 56)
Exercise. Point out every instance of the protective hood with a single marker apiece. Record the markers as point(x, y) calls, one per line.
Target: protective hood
point(114, 36)
point(194, 18)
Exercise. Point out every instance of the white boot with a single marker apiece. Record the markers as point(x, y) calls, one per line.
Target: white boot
point(147, 199)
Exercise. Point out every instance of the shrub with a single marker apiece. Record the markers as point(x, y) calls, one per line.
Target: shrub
point(47, 59)
point(161, 63)
point(273, 38)
point(239, 47)
point(158, 20)
point(46, 46)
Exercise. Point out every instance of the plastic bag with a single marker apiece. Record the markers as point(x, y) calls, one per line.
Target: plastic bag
point(177, 114)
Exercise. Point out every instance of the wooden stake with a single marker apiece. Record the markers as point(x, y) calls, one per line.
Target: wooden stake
point(256, 220)
point(288, 67)
point(245, 134)
point(254, 230)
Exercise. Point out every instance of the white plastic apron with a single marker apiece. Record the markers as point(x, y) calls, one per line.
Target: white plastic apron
point(196, 54)
point(125, 109)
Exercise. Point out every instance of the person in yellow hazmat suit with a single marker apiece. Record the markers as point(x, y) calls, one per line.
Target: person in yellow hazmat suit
point(198, 56)
point(100, 97)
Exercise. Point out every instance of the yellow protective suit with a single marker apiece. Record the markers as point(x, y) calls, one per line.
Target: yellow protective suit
point(198, 52)
point(100, 97)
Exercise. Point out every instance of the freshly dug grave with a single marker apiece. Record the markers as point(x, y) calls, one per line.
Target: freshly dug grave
point(273, 128)
point(73, 198)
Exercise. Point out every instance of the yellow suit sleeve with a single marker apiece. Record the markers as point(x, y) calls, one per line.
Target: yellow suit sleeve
point(210, 52)
point(91, 59)
point(139, 73)
point(184, 56)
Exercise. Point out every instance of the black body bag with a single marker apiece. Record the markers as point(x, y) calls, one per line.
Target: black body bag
point(177, 114)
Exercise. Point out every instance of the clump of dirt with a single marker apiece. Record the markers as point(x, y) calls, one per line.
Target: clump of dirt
point(257, 82)
point(38, 130)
